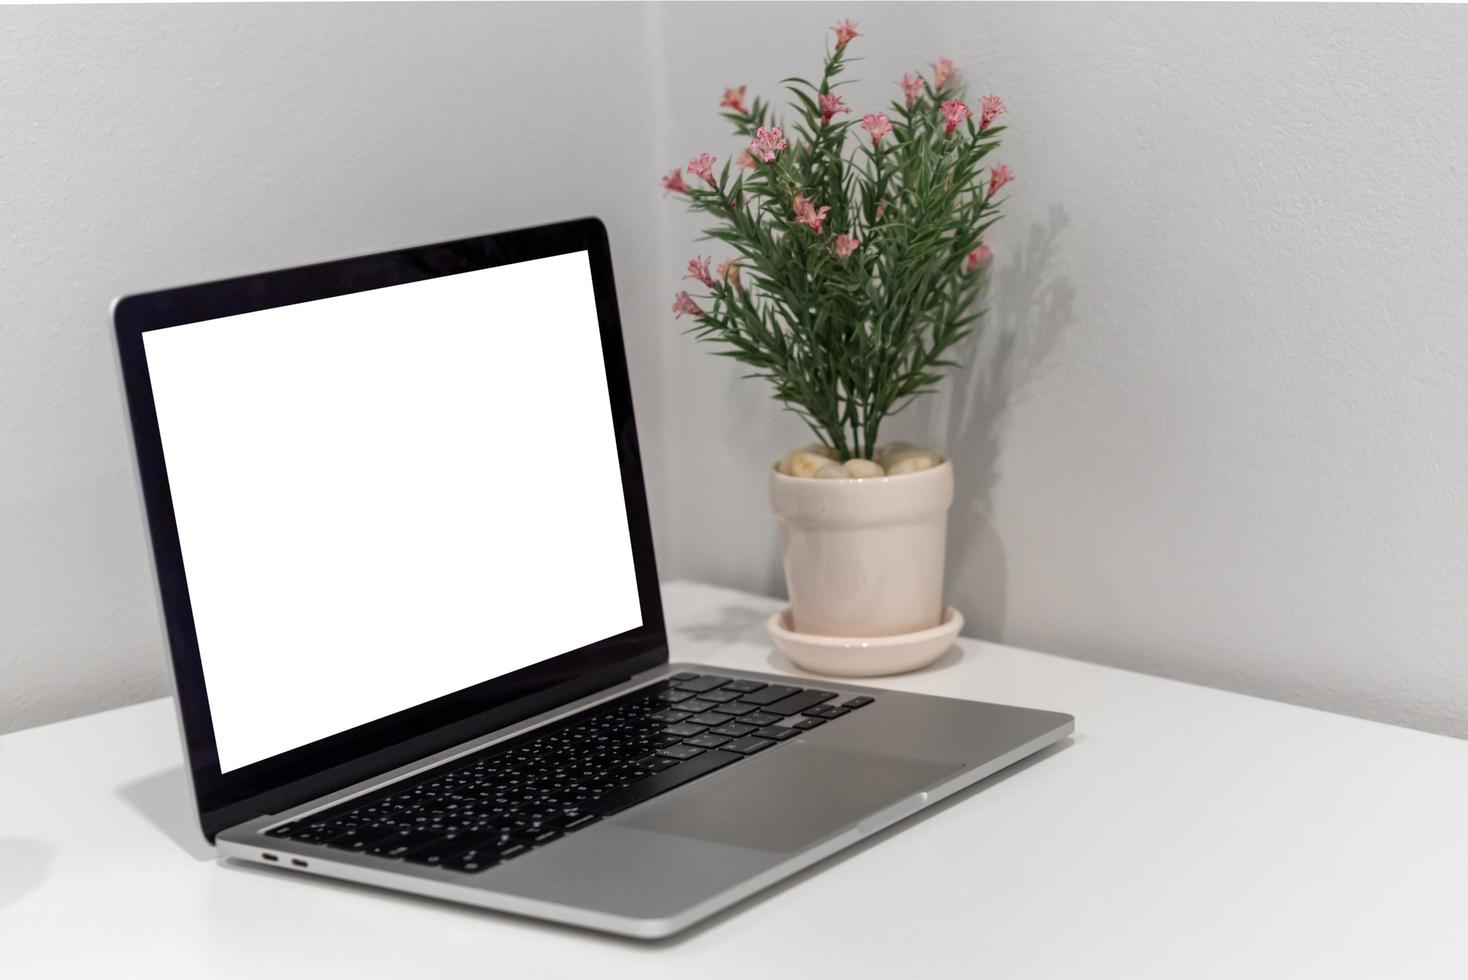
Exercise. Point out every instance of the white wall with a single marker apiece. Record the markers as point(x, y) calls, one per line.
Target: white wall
point(1220, 440)
point(1218, 431)
point(143, 147)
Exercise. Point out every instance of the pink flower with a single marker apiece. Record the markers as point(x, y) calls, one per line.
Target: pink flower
point(845, 245)
point(698, 268)
point(1001, 176)
point(768, 142)
point(943, 73)
point(734, 99)
point(845, 31)
point(807, 214)
point(703, 166)
point(990, 108)
point(729, 272)
point(830, 105)
point(912, 87)
point(877, 124)
point(746, 160)
point(683, 303)
point(881, 209)
point(954, 112)
point(978, 257)
point(674, 182)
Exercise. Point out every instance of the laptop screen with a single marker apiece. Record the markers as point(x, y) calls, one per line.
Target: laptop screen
point(392, 495)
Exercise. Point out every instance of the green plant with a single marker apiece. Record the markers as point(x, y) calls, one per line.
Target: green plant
point(856, 272)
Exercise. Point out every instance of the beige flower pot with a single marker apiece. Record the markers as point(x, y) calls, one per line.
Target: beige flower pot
point(864, 557)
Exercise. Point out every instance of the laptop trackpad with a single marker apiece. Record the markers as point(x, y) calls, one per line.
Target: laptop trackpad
point(788, 797)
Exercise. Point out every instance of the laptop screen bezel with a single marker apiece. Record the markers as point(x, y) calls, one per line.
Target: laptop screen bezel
point(296, 776)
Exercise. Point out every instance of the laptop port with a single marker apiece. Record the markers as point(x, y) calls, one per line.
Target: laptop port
point(298, 862)
point(270, 857)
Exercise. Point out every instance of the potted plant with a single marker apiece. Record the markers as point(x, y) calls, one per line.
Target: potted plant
point(856, 260)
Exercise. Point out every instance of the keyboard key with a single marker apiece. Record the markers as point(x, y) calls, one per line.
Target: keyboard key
point(307, 834)
point(361, 838)
point(769, 695)
point(669, 716)
point(538, 836)
point(708, 718)
point(709, 741)
point(797, 703)
point(827, 711)
point(684, 729)
point(628, 774)
point(543, 814)
point(683, 751)
point(735, 708)
point(806, 724)
point(743, 687)
point(696, 704)
point(444, 846)
point(674, 696)
point(776, 733)
point(656, 764)
point(619, 800)
point(579, 821)
point(701, 684)
point(471, 860)
point(720, 697)
point(512, 850)
point(748, 746)
point(396, 845)
point(759, 718)
point(860, 701)
point(733, 729)
point(685, 676)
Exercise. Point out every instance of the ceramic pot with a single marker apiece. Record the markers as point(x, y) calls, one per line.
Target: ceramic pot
point(864, 557)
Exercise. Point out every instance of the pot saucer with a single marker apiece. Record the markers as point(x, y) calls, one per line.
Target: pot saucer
point(864, 656)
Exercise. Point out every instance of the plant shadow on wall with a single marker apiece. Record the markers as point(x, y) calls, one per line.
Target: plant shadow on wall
point(1031, 307)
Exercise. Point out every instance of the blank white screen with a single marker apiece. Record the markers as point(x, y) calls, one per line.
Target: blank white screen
point(386, 497)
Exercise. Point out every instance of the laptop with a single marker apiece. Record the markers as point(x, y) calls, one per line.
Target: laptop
point(405, 568)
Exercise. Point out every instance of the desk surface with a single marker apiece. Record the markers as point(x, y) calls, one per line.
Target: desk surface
point(1185, 832)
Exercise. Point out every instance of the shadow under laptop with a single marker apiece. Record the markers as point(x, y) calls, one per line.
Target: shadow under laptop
point(712, 923)
point(164, 800)
point(729, 625)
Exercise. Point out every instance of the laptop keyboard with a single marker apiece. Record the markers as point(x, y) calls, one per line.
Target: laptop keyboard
point(478, 810)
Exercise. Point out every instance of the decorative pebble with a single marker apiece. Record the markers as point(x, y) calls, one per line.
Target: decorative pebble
point(803, 463)
point(886, 455)
point(914, 463)
point(894, 459)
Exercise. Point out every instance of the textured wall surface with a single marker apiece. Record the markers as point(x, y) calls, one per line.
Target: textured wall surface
point(1217, 429)
point(147, 146)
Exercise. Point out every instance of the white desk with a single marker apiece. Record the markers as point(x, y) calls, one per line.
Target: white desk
point(1185, 832)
